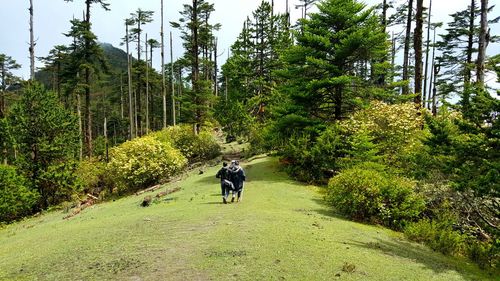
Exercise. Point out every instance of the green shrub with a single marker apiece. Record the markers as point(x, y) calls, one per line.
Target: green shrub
point(93, 176)
point(313, 159)
point(194, 147)
point(8, 141)
point(99, 146)
point(16, 198)
point(367, 192)
point(58, 183)
point(144, 161)
point(483, 253)
point(439, 235)
point(234, 118)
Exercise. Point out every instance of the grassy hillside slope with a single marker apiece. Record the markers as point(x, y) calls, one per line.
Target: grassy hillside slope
point(281, 231)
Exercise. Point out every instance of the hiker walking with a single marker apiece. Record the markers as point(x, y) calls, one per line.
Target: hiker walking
point(225, 181)
point(237, 178)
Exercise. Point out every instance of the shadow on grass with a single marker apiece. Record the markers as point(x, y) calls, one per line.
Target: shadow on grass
point(326, 210)
point(213, 203)
point(419, 254)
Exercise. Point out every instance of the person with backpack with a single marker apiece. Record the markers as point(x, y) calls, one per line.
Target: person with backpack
point(226, 185)
point(237, 178)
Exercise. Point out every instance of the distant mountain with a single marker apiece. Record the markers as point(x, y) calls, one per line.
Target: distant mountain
point(117, 58)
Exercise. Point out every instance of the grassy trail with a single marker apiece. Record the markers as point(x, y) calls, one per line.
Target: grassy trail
point(281, 231)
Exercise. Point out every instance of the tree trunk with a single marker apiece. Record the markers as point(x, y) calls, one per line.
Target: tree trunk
point(80, 124)
point(179, 95)
point(381, 76)
point(172, 79)
point(470, 43)
point(431, 80)
point(122, 113)
point(2, 92)
point(135, 114)
point(434, 91)
point(130, 99)
point(483, 42)
point(138, 103)
point(406, 54)
point(150, 103)
point(216, 88)
point(393, 55)
point(163, 87)
point(147, 85)
point(426, 67)
point(196, 63)
point(32, 44)
point(106, 138)
point(338, 102)
point(88, 116)
point(417, 45)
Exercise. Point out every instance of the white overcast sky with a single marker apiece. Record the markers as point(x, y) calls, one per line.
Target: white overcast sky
point(52, 20)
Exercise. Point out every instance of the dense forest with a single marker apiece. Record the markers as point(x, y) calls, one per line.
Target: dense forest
point(386, 109)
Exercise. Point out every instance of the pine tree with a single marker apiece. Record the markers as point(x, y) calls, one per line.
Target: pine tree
point(483, 42)
point(47, 139)
point(417, 45)
point(7, 64)
point(132, 132)
point(255, 57)
point(196, 33)
point(88, 46)
point(32, 43)
point(56, 63)
point(139, 18)
point(427, 48)
point(406, 55)
point(320, 84)
point(457, 47)
point(86, 57)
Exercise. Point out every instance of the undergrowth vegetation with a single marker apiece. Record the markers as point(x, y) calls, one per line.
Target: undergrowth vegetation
point(435, 178)
point(16, 196)
point(144, 161)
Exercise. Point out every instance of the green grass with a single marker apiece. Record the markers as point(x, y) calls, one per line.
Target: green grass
point(281, 231)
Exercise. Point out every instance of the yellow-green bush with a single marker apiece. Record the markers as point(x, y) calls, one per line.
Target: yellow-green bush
point(144, 161)
point(92, 174)
point(367, 192)
point(396, 129)
point(194, 147)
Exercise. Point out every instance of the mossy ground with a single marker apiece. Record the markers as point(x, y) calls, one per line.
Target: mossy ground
point(280, 231)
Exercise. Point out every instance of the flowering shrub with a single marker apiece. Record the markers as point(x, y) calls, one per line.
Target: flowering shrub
point(194, 147)
point(395, 129)
point(93, 175)
point(144, 161)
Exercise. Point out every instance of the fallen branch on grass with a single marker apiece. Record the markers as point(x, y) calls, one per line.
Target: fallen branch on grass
point(82, 205)
point(150, 189)
point(167, 192)
point(148, 199)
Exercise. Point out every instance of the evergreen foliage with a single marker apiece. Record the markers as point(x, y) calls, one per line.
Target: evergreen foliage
point(16, 197)
point(319, 76)
point(47, 144)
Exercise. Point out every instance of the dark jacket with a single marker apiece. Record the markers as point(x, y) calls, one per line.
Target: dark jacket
point(238, 177)
point(224, 174)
